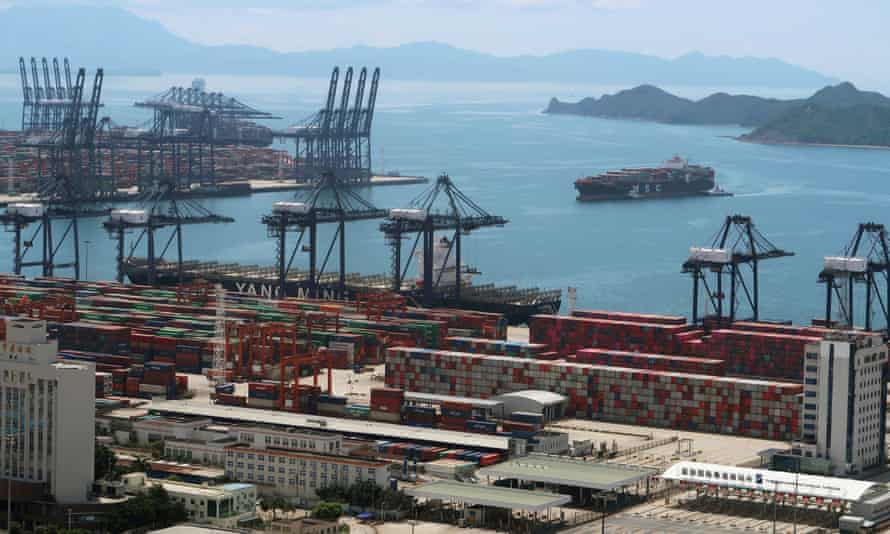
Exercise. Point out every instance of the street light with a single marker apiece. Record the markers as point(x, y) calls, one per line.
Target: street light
point(86, 263)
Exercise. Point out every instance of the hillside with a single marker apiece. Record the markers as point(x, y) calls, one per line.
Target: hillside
point(839, 114)
point(145, 46)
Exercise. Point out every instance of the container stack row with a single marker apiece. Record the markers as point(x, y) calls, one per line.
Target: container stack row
point(495, 346)
point(746, 407)
point(652, 362)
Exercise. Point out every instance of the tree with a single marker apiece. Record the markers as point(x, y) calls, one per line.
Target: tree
point(104, 461)
point(154, 510)
point(328, 511)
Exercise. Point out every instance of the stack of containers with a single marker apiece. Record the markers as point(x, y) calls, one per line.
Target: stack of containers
point(760, 354)
point(454, 414)
point(159, 379)
point(683, 401)
point(535, 420)
point(119, 381)
point(92, 337)
point(229, 399)
point(104, 385)
point(655, 362)
point(495, 346)
point(631, 317)
point(421, 416)
point(567, 335)
point(482, 427)
point(331, 405)
point(262, 395)
point(386, 404)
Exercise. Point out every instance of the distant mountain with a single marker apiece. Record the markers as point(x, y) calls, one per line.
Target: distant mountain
point(647, 102)
point(840, 114)
point(125, 43)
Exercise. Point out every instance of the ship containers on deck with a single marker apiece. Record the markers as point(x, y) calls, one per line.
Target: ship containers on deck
point(567, 335)
point(760, 354)
point(655, 362)
point(684, 401)
point(631, 317)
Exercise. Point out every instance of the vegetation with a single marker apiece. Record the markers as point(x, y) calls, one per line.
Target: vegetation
point(839, 114)
point(105, 461)
point(328, 511)
point(275, 504)
point(367, 494)
point(152, 510)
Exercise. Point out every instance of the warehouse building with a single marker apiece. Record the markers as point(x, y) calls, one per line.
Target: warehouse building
point(550, 405)
point(47, 409)
point(845, 403)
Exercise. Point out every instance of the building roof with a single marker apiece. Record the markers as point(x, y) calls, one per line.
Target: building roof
point(566, 472)
point(765, 480)
point(479, 494)
point(432, 397)
point(333, 424)
point(547, 398)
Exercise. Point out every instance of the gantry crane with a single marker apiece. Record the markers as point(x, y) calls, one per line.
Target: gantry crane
point(330, 201)
point(72, 181)
point(865, 260)
point(337, 139)
point(441, 207)
point(738, 243)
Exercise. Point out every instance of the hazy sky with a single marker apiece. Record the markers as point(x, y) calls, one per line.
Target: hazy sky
point(845, 38)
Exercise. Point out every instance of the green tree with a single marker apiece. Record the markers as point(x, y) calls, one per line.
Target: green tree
point(154, 509)
point(104, 461)
point(328, 511)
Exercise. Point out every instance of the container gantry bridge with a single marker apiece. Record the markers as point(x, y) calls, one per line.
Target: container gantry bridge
point(45, 105)
point(72, 180)
point(737, 244)
point(330, 202)
point(441, 207)
point(865, 260)
point(337, 139)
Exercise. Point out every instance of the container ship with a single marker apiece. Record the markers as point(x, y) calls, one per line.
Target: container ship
point(675, 178)
point(516, 304)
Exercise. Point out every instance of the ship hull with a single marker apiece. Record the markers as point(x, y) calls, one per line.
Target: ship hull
point(594, 192)
point(515, 313)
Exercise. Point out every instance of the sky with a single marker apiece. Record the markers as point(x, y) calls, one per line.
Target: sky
point(842, 38)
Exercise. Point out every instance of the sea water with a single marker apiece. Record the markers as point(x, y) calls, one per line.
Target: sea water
point(516, 162)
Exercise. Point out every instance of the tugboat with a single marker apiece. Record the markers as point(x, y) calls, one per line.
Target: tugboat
point(675, 178)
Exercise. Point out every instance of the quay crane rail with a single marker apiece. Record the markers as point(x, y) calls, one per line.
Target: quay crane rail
point(736, 244)
point(865, 260)
point(425, 216)
point(330, 201)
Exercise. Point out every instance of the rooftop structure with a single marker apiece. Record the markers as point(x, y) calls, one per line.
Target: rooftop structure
point(807, 486)
point(565, 472)
point(477, 494)
point(333, 424)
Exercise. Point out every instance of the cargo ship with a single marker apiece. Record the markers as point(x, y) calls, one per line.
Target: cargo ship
point(675, 178)
point(516, 304)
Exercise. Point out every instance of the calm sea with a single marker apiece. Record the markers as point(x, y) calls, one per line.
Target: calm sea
point(516, 162)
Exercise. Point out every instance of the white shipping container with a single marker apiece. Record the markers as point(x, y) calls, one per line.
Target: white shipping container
point(153, 389)
point(713, 255)
point(410, 214)
point(130, 216)
point(850, 264)
point(26, 209)
point(291, 207)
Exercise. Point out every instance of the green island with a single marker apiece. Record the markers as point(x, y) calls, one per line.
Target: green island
point(835, 115)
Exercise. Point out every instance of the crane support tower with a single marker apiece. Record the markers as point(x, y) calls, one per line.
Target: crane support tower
point(337, 139)
point(71, 180)
point(442, 207)
point(864, 261)
point(736, 250)
point(330, 202)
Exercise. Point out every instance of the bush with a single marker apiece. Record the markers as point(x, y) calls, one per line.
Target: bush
point(328, 511)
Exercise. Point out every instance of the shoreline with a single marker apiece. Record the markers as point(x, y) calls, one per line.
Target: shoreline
point(802, 144)
point(256, 187)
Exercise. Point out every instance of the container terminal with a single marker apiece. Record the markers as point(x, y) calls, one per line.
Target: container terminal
point(639, 421)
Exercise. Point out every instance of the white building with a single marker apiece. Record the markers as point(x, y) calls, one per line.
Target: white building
point(845, 402)
point(298, 474)
point(225, 505)
point(47, 409)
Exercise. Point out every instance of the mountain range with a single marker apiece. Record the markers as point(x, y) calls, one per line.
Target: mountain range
point(124, 43)
point(838, 114)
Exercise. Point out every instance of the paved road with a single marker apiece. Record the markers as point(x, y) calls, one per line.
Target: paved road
point(642, 525)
